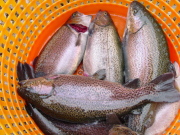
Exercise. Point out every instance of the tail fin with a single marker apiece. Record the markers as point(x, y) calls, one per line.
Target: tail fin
point(24, 71)
point(165, 90)
point(29, 71)
point(21, 73)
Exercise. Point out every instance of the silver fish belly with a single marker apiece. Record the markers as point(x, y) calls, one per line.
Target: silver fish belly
point(83, 99)
point(65, 50)
point(145, 52)
point(104, 51)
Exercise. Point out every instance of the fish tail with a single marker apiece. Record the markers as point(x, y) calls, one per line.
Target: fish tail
point(29, 71)
point(24, 71)
point(21, 72)
point(165, 90)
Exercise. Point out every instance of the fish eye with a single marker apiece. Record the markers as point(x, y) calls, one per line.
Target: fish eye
point(74, 14)
point(105, 13)
point(135, 11)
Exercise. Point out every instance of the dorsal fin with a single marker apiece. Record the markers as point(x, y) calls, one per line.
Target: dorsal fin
point(163, 78)
point(134, 84)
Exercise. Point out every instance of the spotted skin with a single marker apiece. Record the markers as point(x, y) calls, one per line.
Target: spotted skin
point(49, 125)
point(145, 47)
point(81, 99)
point(145, 51)
point(104, 50)
point(121, 130)
point(64, 51)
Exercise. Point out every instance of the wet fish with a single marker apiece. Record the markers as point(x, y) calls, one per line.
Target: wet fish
point(121, 130)
point(65, 50)
point(165, 113)
point(104, 49)
point(145, 52)
point(80, 99)
point(144, 46)
point(51, 126)
point(177, 78)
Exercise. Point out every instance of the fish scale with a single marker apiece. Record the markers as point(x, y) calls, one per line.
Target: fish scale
point(104, 51)
point(48, 58)
point(146, 55)
point(142, 56)
point(80, 99)
point(64, 51)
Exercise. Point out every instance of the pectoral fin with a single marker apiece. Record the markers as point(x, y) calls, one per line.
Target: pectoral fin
point(91, 29)
point(100, 74)
point(78, 42)
point(112, 118)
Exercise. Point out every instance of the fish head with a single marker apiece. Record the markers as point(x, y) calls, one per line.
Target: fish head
point(121, 130)
point(79, 21)
point(102, 18)
point(40, 86)
point(136, 17)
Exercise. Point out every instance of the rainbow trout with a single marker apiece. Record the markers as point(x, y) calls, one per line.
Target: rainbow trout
point(103, 50)
point(65, 50)
point(121, 130)
point(165, 113)
point(80, 99)
point(145, 52)
point(51, 126)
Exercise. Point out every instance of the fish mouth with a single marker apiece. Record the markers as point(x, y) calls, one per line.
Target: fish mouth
point(79, 27)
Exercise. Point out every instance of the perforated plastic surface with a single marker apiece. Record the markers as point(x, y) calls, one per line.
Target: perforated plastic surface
point(26, 26)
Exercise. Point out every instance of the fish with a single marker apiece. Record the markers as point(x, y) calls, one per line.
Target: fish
point(121, 130)
point(65, 50)
point(146, 56)
point(104, 49)
point(80, 99)
point(145, 47)
point(177, 78)
point(49, 125)
point(165, 114)
point(162, 110)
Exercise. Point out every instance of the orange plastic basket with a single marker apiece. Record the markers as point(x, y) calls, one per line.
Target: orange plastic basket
point(26, 26)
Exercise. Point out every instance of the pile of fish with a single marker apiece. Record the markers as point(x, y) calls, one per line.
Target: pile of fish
point(127, 88)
